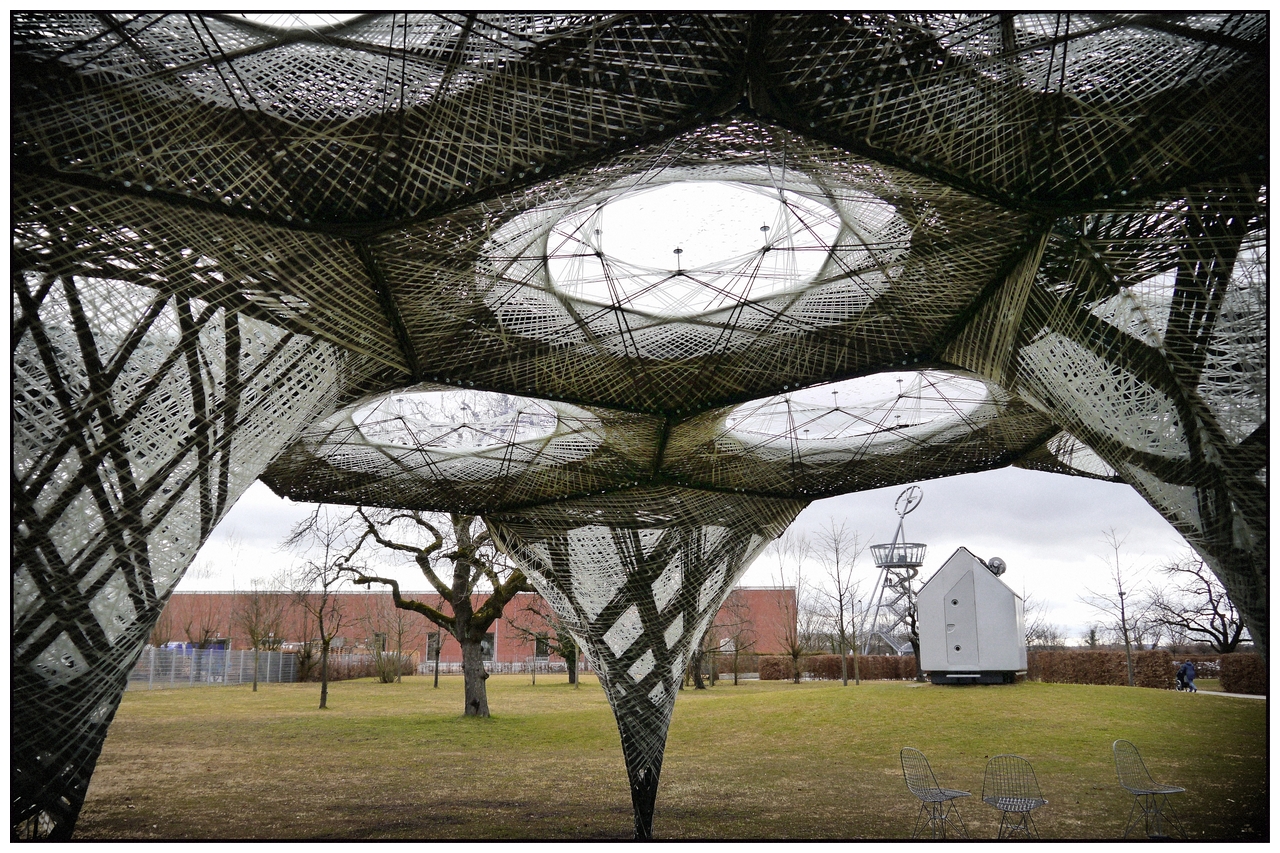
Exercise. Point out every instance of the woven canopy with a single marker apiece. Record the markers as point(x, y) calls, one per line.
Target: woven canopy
point(543, 266)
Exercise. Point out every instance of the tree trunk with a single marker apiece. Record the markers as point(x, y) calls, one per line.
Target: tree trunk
point(844, 667)
point(571, 661)
point(696, 667)
point(1128, 658)
point(324, 674)
point(435, 683)
point(255, 669)
point(473, 677)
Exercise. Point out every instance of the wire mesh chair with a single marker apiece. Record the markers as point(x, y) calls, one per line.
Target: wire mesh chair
point(1150, 795)
point(937, 806)
point(1010, 785)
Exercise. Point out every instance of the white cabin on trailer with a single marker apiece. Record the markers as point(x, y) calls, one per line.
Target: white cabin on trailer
point(970, 623)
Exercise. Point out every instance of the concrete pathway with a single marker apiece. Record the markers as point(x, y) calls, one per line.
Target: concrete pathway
point(1231, 695)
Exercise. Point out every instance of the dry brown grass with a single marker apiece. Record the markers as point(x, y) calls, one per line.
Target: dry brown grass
point(761, 760)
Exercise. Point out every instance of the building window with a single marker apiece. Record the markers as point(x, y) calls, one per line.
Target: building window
point(487, 647)
point(433, 646)
point(542, 646)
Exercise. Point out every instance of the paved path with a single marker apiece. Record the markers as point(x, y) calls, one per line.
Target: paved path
point(1231, 695)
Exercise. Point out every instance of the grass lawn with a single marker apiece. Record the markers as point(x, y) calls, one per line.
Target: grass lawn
point(762, 760)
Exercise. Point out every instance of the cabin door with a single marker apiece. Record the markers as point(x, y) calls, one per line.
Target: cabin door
point(961, 611)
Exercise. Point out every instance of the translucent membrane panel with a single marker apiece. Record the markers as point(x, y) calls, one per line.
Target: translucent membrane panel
point(1075, 454)
point(299, 21)
point(1141, 310)
point(459, 421)
point(887, 406)
point(1153, 60)
point(681, 249)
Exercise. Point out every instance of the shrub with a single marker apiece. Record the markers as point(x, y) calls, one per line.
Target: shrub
point(307, 659)
point(344, 667)
point(827, 667)
point(388, 664)
point(1082, 667)
point(775, 668)
point(747, 662)
point(1154, 669)
point(886, 667)
point(1150, 668)
point(1243, 673)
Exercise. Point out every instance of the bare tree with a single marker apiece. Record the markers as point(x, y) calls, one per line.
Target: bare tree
point(707, 654)
point(693, 670)
point(538, 623)
point(474, 564)
point(1039, 632)
point(1146, 630)
point(388, 629)
point(260, 614)
point(733, 625)
point(323, 541)
point(1125, 610)
point(913, 633)
point(790, 550)
point(203, 622)
point(837, 550)
point(1195, 606)
point(165, 629)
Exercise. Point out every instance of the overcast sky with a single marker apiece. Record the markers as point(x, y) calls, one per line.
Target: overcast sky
point(1048, 528)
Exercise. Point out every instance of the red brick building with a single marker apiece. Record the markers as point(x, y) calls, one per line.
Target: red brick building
point(754, 619)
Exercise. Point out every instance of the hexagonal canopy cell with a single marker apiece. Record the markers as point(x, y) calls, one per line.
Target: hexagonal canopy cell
point(294, 248)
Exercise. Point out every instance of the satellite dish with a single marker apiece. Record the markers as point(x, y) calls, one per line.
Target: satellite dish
point(908, 500)
point(997, 566)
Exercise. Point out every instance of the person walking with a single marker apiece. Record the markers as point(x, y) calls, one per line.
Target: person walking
point(1187, 676)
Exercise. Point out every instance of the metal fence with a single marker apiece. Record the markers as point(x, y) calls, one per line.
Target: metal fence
point(534, 665)
point(161, 669)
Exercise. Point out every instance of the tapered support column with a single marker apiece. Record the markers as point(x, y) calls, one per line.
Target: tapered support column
point(139, 419)
point(638, 576)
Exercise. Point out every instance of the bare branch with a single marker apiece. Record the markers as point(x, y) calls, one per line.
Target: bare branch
point(439, 617)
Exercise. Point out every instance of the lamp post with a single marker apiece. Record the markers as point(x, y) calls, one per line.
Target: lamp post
point(857, 608)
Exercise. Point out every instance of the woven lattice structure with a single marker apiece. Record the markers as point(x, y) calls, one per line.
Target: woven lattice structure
point(276, 247)
point(638, 576)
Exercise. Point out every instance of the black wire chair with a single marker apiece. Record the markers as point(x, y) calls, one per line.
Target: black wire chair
point(937, 806)
point(1010, 785)
point(1148, 794)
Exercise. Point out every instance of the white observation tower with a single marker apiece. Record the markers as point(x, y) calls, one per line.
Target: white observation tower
point(899, 563)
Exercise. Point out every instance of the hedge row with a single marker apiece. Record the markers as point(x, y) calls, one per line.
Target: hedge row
point(1154, 669)
point(1150, 668)
point(827, 667)
point(1239, 673)
point(1243, 673)
point(774, 668)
